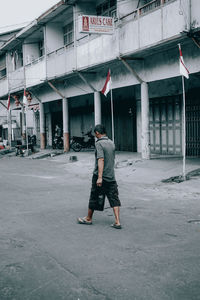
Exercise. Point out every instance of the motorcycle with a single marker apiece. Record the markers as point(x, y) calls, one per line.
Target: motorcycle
point(77, 143)
point(57, 142)
point(21, 149)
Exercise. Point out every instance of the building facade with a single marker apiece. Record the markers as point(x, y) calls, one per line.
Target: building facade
point(64, 68)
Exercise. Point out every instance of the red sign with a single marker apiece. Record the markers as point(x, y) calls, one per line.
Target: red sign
point(85, 24)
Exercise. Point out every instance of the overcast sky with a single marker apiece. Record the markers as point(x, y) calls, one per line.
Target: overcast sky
point(20, 11)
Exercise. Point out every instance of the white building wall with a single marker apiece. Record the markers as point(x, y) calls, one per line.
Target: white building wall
point(195, 9)
point(30, 52)
point(124, 7)
point(54, 37)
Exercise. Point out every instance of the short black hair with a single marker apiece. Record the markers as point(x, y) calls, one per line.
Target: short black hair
point(100, 128)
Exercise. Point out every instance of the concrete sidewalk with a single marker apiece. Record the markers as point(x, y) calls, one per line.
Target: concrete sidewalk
point(130, 166)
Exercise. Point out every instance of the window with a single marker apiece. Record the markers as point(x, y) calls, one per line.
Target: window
point(2, 66)
point(68, 34)
point(2, 72)
point(107, 8)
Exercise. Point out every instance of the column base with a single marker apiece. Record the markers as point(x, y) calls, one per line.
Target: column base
point(66, 142)
point(42, 141)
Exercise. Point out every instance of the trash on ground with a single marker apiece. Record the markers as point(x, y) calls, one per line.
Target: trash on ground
point(123, 164)
point(194, 221)
point(73, 158)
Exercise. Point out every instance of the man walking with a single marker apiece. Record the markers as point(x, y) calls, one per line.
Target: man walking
point(103, 177)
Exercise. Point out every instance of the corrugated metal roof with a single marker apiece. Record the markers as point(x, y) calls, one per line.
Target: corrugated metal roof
point(12, 28)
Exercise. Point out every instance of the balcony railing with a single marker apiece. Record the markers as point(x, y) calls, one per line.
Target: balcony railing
point(3, 86)
point(152, 25)
point(16, 79)
point(146, 8)
point(60, 62)
point(35, 72)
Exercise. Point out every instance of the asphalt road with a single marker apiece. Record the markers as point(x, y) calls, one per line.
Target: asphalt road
point(46, 255)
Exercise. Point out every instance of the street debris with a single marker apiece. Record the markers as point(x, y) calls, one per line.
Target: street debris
point(179, 179)
point(73, 158)
point(194, 221)
point(123, 164)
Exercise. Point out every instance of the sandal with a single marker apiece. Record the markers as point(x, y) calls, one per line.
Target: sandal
point(84, 221)
point(116, 226)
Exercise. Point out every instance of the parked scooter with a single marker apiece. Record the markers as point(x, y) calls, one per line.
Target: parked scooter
point(21, 149)
point(57, 142)
point(77, 143)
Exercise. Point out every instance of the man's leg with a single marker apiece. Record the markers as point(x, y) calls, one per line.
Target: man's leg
point(111, 191)
point(116, 213)
point(92, 202)
point(90, 214)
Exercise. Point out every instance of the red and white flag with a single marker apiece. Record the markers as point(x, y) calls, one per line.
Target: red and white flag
point(107, 85)
point(8, 103)
point(183, 69)
point(25, 101)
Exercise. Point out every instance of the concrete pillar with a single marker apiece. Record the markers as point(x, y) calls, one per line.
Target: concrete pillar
point(65, 124)
point(42, 126)
point(9, 128)
point(145, 138)
point(50, 129)
point(97, 108)
point(23, 127)
point(34, 124)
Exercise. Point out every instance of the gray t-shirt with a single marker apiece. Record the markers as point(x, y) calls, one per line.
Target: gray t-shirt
point(105, 148)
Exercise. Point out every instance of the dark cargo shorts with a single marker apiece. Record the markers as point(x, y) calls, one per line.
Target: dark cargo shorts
point(109, 188)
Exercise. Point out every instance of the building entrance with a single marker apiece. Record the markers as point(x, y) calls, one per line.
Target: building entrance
point(193, 127)
point(166, 125)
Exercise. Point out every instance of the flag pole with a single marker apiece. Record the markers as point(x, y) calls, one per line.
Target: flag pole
point(26, 130)
point(112, 116)
point(25, 110)
point(9, 121)
point(183, 129)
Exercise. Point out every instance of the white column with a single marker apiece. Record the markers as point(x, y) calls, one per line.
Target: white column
point(34, 124)
point(42, 126)
point(23, 126)
point(145, 138)
point(97, 108)
point(50, 129)
point(9, 119)
point(65, 124)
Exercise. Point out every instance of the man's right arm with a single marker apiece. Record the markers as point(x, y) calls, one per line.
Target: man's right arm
point(100, 171)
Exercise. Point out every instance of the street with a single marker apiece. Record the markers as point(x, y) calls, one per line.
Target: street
point(46, 255)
